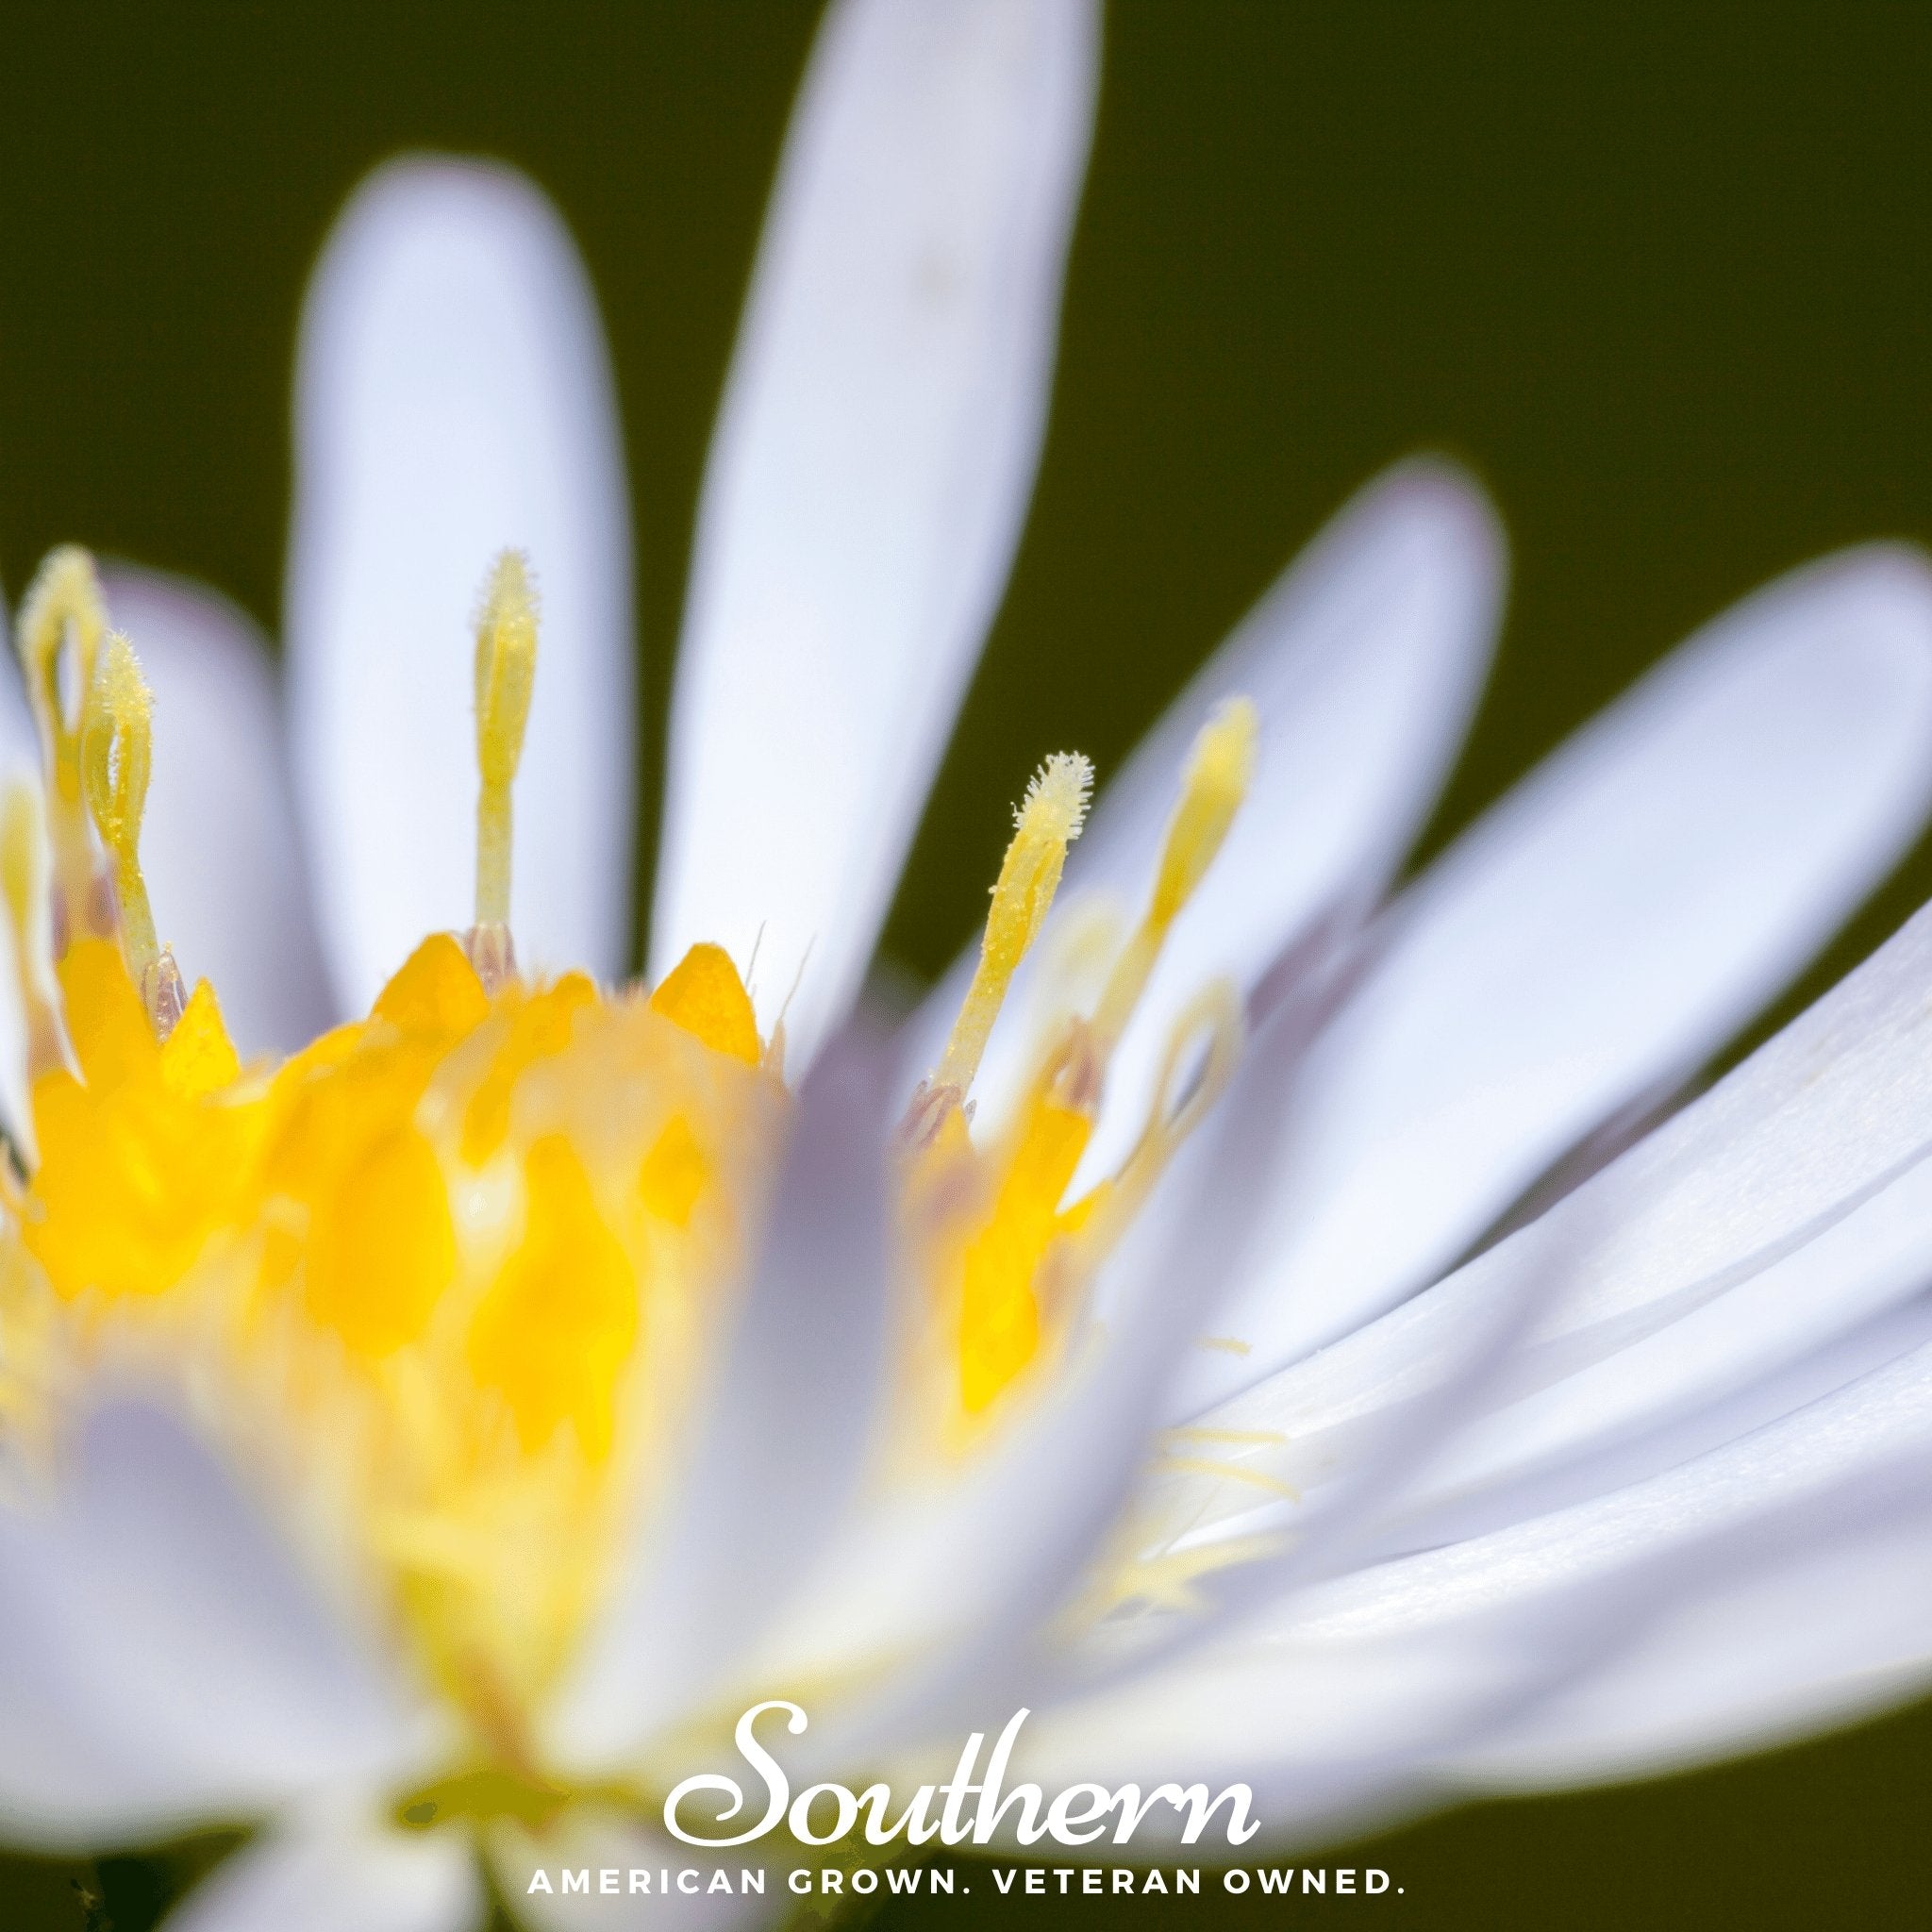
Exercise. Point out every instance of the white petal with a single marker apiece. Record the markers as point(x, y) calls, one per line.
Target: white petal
point(162, 1662)
point(454, 399)
point(1331, 1738)
point(1364, 662)
point(309, 1876)
point(1600, 933)
point(1807, 1323)
point(1837, 1630)
point(1479, 1637)
point(1860, 1447)
point(1736, 1590)
point(584, 1840)
point(20, 746)
point(868, 474)
point(781, 1442)
point(1779, 1157)
point(218, 844)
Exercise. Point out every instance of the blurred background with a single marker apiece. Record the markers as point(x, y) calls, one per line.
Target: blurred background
point(1659, 274)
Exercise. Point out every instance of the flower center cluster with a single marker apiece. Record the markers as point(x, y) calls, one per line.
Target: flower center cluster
point(448, 1255)
point(441, 1277)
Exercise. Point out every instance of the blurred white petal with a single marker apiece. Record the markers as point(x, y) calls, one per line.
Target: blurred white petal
point(1706, 1572)
point(1805, 1323)
point(454, 399)
point(163, 1663)
point(780, 1443)
point(1364, 662)
point(219, 846)
point(1832, 1630)
point(587, 1839)
point(1780, 1155)
point(870, 467)
point(956, 1575)
point(1600, 932)
point(1474, 1638)
point(314, 1876)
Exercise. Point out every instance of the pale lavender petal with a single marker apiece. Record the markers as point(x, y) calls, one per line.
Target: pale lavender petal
point(331, 1872)
point(1764, 1213)
point(1370, 1689)
point(20, 758)
point(780, 1445)
point(869, 475)
point(163, 1662)
point(454, 399)
point(1598, 935)
point(625, 1864)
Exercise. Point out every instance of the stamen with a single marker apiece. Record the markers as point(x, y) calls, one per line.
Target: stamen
point(63, 620)
point(116, 742)
point(1217, 780)
point(24, 881)
point(1002, 1241)
point(1046, 823)
point(506, 669)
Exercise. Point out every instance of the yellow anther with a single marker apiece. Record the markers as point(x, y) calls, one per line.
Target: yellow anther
point(1047, 821)
point(199, 1059)
point(435, 992)
point(506, 669)
point(1217, 780)
point(115, 744)
point(23, 880)
point(63, 620)
point(703, 995)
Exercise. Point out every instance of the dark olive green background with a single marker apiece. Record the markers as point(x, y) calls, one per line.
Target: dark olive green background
point(1659, 274)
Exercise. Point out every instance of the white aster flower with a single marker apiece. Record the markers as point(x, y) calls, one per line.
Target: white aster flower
point(428, 1443)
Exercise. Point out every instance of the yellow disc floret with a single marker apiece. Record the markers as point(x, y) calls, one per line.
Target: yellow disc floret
point(425, 1244)
point(562, 1318)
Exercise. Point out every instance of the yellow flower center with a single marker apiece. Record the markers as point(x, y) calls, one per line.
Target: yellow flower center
point(441, 1278)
